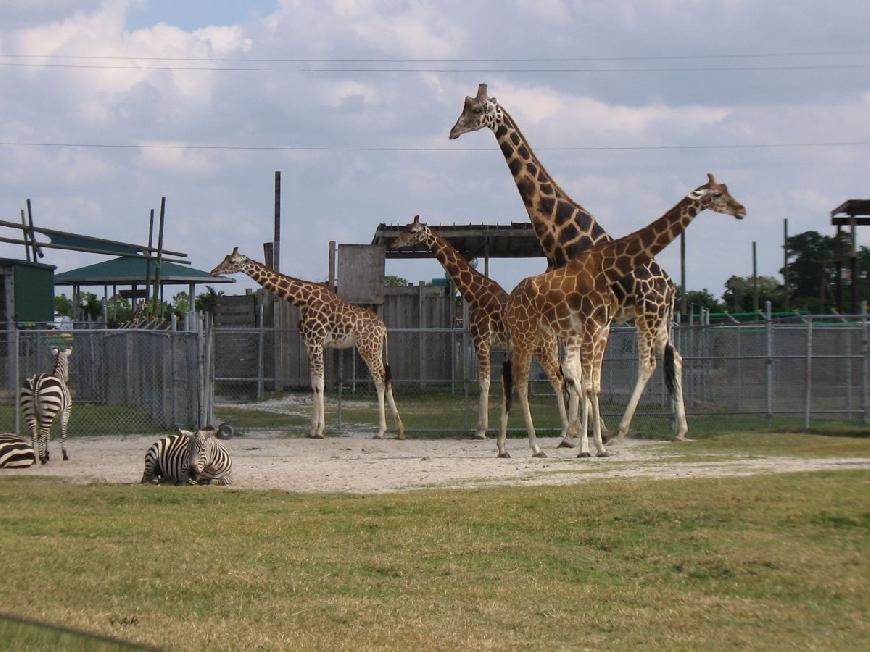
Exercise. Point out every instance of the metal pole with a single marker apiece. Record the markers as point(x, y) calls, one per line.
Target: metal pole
point(865, 371)
point(683, 298)
point(739, 370)
point(466, 366)
point(15, 348)
point(769, 370)
point(808, 374)
point(838, 256)
point(340, 386)
point(754, 278)
point(26, 244)
point(148, 260)
point(276, 240)
point(157, 293)
point(260, 335)
point(785, 262)
point(853, 264)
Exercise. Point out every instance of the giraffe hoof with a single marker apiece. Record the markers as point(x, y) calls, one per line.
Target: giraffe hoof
point(480, 436)
point(539, 454)
point(505, 454)
point(316, 436)
point(379, 436)
point(584, 454)
point(565, 443)
point(603, 454)
point(65, 457)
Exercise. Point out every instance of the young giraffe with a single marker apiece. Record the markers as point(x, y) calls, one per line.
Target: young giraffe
point(565, 229)
point(327, 323)
point(578, 301)
point(486, 300)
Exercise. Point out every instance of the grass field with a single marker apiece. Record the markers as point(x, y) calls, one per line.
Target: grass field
point(757, 562)
point(94, 419)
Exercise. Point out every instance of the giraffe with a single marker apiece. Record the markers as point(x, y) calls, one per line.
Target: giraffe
point(565, 229)
point(327, 323)
point(486, 300)
point(577, 303)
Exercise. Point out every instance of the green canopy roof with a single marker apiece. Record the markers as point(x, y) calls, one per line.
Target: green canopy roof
point(131, 271)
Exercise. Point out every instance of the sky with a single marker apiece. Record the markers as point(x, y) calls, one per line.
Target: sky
point(627, 104)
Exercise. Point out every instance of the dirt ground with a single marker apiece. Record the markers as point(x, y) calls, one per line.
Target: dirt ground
point(356, 464)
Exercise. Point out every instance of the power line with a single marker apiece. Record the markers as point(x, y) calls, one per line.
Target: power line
point(362, 148)
point(778, 68)
point(661, 57)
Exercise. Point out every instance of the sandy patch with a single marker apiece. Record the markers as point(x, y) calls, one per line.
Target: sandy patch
point(357, 464)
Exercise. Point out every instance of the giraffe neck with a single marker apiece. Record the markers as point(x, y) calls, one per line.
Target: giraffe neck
point(563, 226)
point(623, 256)
point(290, 289)
point(468, 280)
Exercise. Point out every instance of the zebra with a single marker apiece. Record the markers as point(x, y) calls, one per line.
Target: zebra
point(188, 458)
point(15, 452)
point(42, 397)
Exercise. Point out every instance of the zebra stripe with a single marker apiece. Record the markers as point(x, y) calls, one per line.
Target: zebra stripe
point(43, 396)
point(188, 458)
point(15, 453)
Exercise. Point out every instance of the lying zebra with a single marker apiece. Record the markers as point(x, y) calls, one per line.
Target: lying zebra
point(188, 458)
point(15, 452)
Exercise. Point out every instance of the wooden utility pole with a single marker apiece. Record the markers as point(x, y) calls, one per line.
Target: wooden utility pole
point(158, 295)
point(785, 262)
point(684, 301)
point(276, 239)
point(754, 278)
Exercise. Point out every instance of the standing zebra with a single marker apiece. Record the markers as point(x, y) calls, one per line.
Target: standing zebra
point(188, 458)
point(42, 397)
point(15, 452)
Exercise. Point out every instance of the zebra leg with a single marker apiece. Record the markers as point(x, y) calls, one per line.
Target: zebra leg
point(64, 421)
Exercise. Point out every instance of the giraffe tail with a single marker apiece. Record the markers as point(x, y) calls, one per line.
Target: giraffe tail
point(388, 373)
point(507, 380)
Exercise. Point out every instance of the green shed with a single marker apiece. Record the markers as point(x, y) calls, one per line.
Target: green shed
point(26, 291)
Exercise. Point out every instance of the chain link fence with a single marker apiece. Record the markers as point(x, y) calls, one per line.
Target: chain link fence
point(792, 374)
point(122, 381)
point(742, 376)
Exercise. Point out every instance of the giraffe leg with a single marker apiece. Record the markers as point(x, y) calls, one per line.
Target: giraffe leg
point(506, 389)
point(677, 399)
point(400, 427)
point(483, 374)
point(521, 361)
point(600, 344)
point(573, 371)
point(646, 367)
point(548, 356)
point(382, 417)
point(315, 361)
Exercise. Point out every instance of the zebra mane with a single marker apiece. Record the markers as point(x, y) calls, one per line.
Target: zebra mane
point(61, 364)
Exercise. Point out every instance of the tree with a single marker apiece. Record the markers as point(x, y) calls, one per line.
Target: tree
point(391, 281)
point(63, 306)
point(740, 291)
point(181, 303)
point(700, 299)
point(812, 273)
point(206, 301)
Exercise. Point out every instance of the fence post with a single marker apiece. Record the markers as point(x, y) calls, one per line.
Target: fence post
point(340, 375)
point(808, 374)
point(15, 349)
point(260, 353)
point(466, 359)
point(865, 371)
point(768, 362)
point(739, 370)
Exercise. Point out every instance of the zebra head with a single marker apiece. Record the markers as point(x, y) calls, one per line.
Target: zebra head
point(61, 363)
point(199, 451)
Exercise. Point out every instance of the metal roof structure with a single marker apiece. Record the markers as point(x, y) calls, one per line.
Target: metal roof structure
point(514, 240)
point(851, 209)
point(132, 271)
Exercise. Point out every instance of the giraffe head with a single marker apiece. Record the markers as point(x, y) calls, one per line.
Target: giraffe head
point(715, 196)
point(231, 264)
point(477, 112)
point(415, 233)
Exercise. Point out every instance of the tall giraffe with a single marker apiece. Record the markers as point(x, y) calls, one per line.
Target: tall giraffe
point(486, 300)
point(577, 302)
point(327, 323)
point(565, 229)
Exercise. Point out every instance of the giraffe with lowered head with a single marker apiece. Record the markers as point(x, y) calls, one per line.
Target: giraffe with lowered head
point(578, 301)
point(565, 229)
point(486, 300)
point(328, 322)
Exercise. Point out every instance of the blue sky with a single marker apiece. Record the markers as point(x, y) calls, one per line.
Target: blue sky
point(217, 199)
